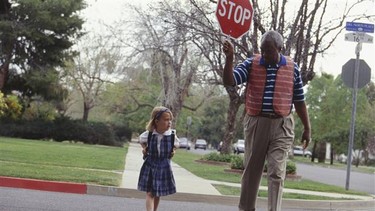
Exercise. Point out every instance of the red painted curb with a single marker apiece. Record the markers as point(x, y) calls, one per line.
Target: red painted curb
point(66, 187)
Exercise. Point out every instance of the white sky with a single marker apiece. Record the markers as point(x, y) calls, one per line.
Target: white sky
point(108, 11)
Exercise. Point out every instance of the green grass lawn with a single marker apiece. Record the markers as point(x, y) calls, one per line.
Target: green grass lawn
point(61, 161)
point(215, 172)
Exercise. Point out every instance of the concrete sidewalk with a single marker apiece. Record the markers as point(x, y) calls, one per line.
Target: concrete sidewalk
point(186, 182)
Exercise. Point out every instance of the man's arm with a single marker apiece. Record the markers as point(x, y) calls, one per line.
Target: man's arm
point(303, 114)
point(228, 79)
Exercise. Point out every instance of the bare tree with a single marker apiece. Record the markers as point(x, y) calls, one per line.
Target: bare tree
point(96, 64)
point(158, 39)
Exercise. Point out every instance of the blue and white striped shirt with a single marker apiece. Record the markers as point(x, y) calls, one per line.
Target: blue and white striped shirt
point(241, 74)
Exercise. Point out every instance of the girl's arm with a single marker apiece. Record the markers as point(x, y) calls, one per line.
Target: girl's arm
point(143, 141)
point(176, 144)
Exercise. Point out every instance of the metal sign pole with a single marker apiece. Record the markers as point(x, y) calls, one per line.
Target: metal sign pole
point(354, 109)
point(360, 37)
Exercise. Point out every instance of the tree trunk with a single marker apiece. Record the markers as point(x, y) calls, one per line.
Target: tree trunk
point(6, 47)
point(3, 75)
point(322, 152)
point(86, 110)
point(229, 134)
point(313, 153)
point(4, 68)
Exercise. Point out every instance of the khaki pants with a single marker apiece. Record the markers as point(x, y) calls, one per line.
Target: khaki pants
point(265, 138)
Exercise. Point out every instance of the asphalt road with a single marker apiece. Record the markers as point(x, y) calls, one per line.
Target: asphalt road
point(358, 181)
point(13, 199)
point(31, 200)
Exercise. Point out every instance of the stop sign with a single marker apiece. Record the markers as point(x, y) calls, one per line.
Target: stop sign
point(234, 17)
point(364, 73)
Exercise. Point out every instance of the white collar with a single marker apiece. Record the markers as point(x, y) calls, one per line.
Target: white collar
point(166, 133)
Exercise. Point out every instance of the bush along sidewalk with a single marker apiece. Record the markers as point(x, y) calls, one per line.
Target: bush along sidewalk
point(236, 164)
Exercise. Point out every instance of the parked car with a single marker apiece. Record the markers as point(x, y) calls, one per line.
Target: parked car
point(200, 144)
point(298, 151)
point(239, 146)
point(184, 143)
point(342, 158)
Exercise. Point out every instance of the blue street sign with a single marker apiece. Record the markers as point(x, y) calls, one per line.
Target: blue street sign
point(359, 27)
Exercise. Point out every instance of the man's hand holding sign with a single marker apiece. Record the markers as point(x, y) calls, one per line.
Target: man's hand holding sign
point(234, 17)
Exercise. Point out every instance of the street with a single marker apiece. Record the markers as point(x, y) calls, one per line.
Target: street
point(358, 181)
point(13, 199)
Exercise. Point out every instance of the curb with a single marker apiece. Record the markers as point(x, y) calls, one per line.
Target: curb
point(34, 184)
point(79, 188)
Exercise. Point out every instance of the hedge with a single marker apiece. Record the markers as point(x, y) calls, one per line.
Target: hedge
point(65, 129)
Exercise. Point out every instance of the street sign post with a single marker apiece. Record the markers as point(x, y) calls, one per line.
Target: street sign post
point(364, 73)
point(359, 37)
point(359, 27)
point(234, 17)
point(350, 75)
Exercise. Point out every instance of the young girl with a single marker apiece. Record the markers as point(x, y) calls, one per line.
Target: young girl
point(156, 176)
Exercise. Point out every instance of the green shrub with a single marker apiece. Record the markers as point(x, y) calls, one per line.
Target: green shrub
point(370, 162)
point(213, 156)
point(61, 129)
point(10, 107)
point(40, 111)
point(66, 129)
point(25, 129)
point(122, 133)
point(102, 134)
point(237, 162)
point(3, 105)
point(291, 167)
point(86, 132)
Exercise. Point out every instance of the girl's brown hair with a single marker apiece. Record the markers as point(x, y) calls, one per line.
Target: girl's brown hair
point(155, 115)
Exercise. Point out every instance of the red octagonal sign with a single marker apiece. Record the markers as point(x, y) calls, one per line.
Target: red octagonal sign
point(234, 16)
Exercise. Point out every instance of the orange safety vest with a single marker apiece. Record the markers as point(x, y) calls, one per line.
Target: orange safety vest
point(283, 93)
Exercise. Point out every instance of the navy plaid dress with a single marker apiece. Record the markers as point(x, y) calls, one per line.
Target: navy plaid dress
point(156, 174)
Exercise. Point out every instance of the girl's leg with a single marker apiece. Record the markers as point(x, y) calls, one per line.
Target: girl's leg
point(156, 202)
point(149, 201)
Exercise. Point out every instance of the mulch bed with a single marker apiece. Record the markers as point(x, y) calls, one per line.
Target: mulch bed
point(290, 177)
point(213, 162)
